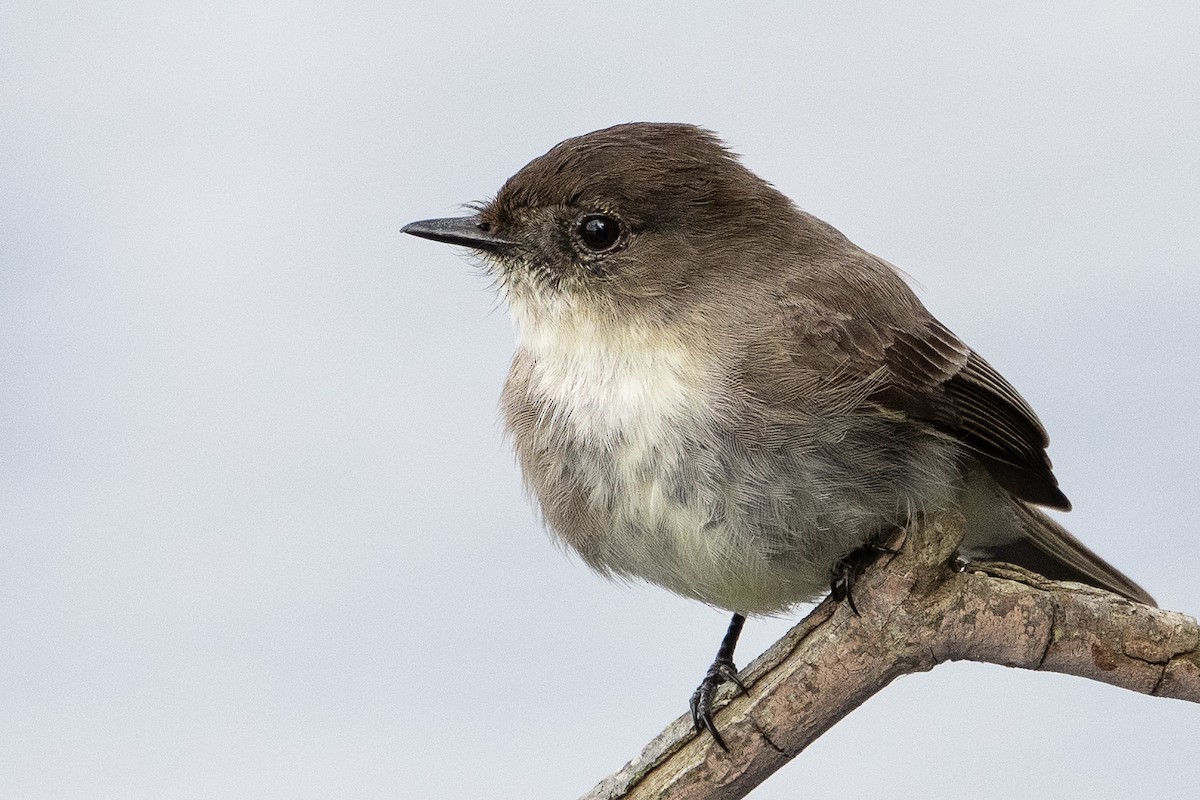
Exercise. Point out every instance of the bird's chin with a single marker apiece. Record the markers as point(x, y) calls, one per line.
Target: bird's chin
point(537, 283)
point(547, 305)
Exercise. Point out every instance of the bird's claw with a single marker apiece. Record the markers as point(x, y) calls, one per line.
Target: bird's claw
point(848, 568)
point(722, 671)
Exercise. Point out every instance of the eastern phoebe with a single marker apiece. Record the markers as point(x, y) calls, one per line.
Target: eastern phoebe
point(719, 393)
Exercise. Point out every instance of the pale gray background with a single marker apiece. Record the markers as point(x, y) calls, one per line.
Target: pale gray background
point(261, 537)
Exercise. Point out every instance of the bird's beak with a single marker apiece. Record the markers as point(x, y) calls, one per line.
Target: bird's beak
point(467, 231)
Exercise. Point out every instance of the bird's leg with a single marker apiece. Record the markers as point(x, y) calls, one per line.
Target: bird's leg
point(850, 566)
point(721, 671)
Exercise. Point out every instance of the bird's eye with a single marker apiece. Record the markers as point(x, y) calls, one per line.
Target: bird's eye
point(599, 232)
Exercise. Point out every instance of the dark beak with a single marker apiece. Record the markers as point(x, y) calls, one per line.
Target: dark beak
point(467, 231)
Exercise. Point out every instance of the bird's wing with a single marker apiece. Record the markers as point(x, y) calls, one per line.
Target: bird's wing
point(929, 375)
point(845, 334)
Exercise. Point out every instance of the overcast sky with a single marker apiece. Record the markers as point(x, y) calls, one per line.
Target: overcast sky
point(261, 536)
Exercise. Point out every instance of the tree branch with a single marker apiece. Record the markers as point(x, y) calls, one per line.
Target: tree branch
point(918, 609)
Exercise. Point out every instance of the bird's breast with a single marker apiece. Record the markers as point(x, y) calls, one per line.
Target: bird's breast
point(622, 433)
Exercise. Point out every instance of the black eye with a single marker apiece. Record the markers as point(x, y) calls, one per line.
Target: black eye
point(599, 232)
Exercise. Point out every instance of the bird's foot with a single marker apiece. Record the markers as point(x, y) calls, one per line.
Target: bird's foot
point(721, 672)
point(850, 566)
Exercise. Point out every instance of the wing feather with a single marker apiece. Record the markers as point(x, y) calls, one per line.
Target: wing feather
point(938, 379)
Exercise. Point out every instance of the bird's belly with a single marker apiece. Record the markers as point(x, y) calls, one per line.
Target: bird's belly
point(647, 465)
point(619, 431)
point(753, 526)
point(681, 514)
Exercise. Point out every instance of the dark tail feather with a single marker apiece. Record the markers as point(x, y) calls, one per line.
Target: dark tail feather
point(1049, 549)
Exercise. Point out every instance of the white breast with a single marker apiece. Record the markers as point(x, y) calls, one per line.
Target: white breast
point(634, 404)
point(633, 395)
point(608, 379)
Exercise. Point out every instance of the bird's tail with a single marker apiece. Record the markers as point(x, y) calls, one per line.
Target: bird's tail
point(1017, 533)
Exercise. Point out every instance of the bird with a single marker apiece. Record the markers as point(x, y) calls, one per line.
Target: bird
point(716, 392)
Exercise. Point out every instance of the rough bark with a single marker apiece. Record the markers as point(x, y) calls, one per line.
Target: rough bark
point(918, 609)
